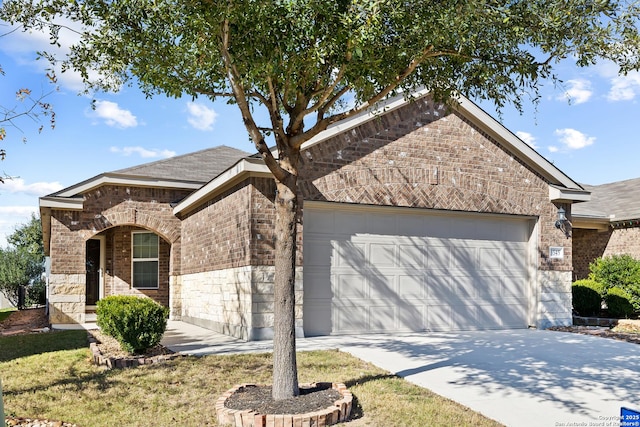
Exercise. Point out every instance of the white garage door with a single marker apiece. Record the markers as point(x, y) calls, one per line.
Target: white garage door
point(401, 270)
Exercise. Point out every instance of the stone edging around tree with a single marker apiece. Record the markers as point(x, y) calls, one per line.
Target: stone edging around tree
point(339, 412)
point(125, 362)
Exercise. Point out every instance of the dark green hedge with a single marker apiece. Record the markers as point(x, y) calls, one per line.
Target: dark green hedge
point(138, 323)
point(587, 297)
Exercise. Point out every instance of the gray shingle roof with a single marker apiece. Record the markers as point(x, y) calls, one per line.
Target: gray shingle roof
point(201, 166)
point(621, 199)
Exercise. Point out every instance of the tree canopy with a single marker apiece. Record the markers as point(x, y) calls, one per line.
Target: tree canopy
point(22, 263)
point(311, 63)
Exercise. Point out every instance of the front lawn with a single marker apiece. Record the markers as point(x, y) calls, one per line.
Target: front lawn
point(49, 376)
point(5, 312)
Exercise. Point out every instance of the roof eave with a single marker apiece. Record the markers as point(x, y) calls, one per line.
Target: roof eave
point(568, 195)
point(126, 180)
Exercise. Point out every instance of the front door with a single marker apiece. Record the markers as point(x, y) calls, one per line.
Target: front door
point(93, 271)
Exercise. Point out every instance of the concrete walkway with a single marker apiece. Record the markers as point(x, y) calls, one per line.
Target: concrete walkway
point(519, 377)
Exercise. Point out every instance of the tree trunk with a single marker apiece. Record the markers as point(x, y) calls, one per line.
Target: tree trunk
point(285, 370)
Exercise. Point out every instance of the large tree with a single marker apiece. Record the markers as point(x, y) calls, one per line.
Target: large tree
point(310, 63)
point(22, 262)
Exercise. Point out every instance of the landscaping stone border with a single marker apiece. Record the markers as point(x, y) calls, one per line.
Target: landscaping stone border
point(595, 321)
point(339, 412)
point(125, 362)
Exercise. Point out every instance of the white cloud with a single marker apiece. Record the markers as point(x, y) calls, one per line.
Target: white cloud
point(578, 92)
point(143, 152)
point(528, 138)
point(38, 189)
point(201, 117)
point(113, 115)
point(11, 217)
point(23, 45)
point(553, 149)
point(573, 139)
point(625, 88)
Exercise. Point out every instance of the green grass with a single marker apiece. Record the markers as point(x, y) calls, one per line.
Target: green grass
point(49, 376)
point(6, 312)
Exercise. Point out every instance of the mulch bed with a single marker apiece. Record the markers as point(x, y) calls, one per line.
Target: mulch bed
point(24, 322)
point(258, 399)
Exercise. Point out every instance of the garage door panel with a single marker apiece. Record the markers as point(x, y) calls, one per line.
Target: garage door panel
point(317, 221)
point(464, 318)
point(439, 318)
point(317, 322)
point(382, 287)
point(318, 277)
point(489, 316)
point(351, 318)
point(514, 259)
point(464, 288)
point(411, 317)
point(381, 224)
point(349, 254)
point(412, 254)
point(408, 224)
point(348, 223)
point(391, 270)
point(381, 317)
point(439, 257)
point(465, 258)
point(411, 287)
point(350, 286)
point(382, 255)
point(320, 256)
point(489, 259)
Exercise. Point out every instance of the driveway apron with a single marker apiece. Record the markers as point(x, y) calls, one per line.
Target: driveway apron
point(517, 377)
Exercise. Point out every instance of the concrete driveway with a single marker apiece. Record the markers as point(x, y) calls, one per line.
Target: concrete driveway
point(518, 377)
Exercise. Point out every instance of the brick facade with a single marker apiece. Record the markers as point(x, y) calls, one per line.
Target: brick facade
point(591, 244)
point(218, 259)
point(417, 156)
point(113, 212)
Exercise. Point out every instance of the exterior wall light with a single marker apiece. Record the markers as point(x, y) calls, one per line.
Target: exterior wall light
point(562, 223)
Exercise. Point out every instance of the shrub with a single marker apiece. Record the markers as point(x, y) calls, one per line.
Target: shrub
point(36, 293)
point(137, 323)
point(619, 303)
point(621, 271)
point(587, 297)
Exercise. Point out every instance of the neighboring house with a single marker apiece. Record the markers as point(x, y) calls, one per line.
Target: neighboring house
point(4, 302)
point(415, 218)
point(607, 225)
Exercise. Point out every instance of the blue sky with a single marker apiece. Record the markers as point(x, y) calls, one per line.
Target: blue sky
point(593, 137)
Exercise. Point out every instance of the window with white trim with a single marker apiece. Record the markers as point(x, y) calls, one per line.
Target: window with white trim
point(144, 268)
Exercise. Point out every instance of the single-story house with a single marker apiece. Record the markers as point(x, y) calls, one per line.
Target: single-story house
point(416, 217)
point(608, 224)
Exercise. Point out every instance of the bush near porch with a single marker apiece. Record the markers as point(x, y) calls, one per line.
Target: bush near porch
point(614, 280)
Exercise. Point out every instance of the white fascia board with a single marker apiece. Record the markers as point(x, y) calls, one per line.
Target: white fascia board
point(67, 203)
point(369, 114)
point(241, 170)
point(515, 144)
point(109, 179)
point(567, 195)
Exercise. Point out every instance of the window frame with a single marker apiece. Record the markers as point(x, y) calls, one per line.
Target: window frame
point(135, 260)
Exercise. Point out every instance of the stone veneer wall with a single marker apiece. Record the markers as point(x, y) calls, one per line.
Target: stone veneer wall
point(554, 299)
point(235, 301)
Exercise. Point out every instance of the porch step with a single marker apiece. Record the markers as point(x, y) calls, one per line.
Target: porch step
point(90, 317)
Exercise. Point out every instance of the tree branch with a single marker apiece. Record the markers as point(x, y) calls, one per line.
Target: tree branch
point(238, 91)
